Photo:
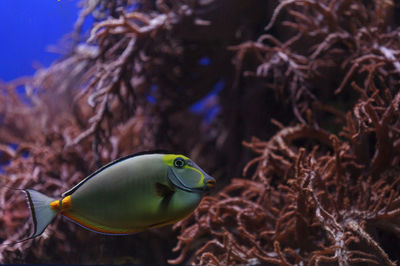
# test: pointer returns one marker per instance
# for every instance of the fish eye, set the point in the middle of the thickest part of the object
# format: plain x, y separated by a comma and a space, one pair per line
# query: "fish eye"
179, 162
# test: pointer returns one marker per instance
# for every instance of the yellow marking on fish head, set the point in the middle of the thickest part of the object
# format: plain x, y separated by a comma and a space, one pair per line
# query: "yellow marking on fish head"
190, 176
169, 159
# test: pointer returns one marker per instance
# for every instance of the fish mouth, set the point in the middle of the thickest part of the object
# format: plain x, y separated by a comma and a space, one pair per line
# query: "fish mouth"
210, 183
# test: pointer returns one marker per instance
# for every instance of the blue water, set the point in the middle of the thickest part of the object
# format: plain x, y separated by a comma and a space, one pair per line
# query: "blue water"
27, 29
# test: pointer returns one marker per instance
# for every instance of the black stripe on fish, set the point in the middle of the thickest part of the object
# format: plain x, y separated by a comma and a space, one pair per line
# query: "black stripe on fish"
29, 199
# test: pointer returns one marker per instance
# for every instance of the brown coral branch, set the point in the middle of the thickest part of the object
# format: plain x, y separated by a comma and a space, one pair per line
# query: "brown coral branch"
370, 242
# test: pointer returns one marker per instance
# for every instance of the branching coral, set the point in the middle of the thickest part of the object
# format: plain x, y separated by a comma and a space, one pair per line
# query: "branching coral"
352, 39
320, 212
130, 88
325, 203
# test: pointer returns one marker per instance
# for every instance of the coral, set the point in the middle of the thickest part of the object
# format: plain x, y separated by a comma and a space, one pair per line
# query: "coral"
307, 102
315, 196
319, 208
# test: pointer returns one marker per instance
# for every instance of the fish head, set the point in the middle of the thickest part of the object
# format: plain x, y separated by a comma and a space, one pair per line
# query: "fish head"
186, 175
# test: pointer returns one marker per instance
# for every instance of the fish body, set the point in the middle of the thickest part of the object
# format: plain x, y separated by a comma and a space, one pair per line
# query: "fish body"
129, 195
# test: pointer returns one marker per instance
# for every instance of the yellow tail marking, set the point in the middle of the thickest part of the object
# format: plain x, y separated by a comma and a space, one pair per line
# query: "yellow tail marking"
55, 205
66, 203
61, 205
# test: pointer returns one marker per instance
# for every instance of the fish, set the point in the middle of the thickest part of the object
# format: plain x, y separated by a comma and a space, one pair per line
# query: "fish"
129, 195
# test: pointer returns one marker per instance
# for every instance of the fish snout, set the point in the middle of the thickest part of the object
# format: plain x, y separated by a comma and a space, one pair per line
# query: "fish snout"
209, 181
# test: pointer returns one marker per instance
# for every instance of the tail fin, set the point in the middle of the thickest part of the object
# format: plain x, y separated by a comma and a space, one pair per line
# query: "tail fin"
42, 213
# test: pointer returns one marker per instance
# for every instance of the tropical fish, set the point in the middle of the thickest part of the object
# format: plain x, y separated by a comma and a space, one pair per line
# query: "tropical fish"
129, 195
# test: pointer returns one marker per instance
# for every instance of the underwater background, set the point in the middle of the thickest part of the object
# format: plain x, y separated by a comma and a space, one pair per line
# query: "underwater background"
30, 29
293, 106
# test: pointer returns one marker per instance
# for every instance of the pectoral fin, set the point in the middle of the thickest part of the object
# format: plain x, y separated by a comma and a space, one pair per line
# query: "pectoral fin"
163, 191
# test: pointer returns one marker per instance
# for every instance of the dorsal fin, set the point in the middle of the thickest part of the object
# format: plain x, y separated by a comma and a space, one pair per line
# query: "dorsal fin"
70, 191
